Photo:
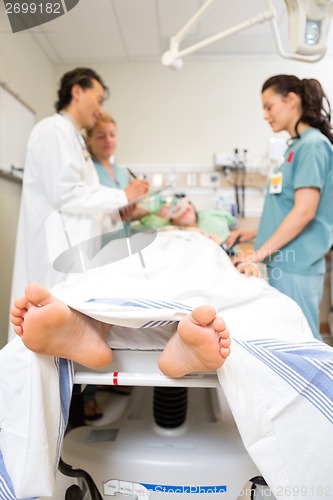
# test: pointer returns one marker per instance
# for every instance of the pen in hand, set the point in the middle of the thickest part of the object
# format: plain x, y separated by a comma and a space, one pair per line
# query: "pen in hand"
132, 174
137, 187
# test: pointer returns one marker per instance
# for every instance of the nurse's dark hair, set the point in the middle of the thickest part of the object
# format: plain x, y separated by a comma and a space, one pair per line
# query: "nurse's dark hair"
79, 76
316, 109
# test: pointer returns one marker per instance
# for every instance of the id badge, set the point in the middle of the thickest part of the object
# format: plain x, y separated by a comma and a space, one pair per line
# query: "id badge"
275, 185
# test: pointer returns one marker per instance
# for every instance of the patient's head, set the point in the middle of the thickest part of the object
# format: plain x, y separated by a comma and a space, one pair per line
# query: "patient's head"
188, 217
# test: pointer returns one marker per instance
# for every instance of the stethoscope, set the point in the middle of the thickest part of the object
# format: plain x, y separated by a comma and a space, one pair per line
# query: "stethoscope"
80, 138
86, 154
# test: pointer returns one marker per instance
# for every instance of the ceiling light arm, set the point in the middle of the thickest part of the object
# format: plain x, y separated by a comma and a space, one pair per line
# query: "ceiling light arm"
179, 37
173, 56
265, 16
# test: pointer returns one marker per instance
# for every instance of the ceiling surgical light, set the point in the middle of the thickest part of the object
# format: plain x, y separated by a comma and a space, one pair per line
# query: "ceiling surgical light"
308, 24
312, 32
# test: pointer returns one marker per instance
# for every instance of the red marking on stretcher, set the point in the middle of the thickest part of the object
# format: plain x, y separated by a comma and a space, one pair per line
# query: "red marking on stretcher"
290, 157
115, 378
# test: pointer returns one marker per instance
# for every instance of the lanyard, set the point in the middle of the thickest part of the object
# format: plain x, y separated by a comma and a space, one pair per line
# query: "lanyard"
79, 136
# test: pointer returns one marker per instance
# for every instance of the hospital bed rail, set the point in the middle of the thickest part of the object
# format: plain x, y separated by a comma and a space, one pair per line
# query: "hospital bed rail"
126, 369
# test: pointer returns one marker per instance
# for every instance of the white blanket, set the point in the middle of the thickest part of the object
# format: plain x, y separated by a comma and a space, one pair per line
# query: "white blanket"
277, 379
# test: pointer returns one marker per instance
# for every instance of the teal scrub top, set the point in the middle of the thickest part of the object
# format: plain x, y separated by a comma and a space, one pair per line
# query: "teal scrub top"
121, 176
308, 162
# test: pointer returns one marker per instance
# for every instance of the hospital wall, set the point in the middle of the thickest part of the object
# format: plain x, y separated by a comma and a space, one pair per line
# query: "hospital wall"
168, 121
177, 118
27, 72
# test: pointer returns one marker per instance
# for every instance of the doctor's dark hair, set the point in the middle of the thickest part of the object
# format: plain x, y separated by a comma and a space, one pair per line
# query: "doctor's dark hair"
79, 76
316, 109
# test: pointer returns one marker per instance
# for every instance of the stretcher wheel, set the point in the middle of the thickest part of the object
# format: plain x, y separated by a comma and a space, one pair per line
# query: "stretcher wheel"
74, 492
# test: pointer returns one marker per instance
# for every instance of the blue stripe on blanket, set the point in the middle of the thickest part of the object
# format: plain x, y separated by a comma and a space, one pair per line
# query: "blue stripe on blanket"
6, 487
66, 380
158, 324
306, 366
142, 303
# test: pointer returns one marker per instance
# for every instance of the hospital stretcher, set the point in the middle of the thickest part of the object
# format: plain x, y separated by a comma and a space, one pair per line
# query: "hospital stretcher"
251, 408
175, 438
234, 425
270, 399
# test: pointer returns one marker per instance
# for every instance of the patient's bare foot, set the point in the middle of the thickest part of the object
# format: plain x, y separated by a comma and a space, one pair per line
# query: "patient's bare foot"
48, 326
201, 343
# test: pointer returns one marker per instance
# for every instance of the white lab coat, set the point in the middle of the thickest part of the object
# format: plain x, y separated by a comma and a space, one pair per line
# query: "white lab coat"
58, 177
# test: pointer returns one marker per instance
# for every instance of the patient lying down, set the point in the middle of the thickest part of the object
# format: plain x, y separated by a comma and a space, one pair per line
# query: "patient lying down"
277, 380
48, 326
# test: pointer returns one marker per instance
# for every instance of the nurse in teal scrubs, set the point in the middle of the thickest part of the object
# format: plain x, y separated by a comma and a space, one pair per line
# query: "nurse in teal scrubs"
296, 226
102, 142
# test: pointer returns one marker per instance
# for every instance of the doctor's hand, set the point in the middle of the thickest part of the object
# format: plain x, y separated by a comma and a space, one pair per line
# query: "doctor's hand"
242, 234
137, 188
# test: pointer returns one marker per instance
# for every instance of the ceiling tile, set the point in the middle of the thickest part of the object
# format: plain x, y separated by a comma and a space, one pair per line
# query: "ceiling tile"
139, 26
88, 32
220, 16
174, 14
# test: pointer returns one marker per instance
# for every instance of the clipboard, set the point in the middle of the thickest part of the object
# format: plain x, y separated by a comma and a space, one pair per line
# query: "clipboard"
152, 192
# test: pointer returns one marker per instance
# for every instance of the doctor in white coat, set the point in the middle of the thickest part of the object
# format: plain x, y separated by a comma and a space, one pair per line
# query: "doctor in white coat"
62, 201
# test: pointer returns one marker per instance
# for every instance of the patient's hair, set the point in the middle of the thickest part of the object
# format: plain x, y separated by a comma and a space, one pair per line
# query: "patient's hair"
316, 109
79, 76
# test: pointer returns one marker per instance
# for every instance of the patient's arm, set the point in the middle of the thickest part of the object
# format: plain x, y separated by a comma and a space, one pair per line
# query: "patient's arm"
215, 237
249, 269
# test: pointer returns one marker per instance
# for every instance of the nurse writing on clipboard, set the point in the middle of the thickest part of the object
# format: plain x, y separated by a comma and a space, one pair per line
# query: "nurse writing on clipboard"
296, 226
